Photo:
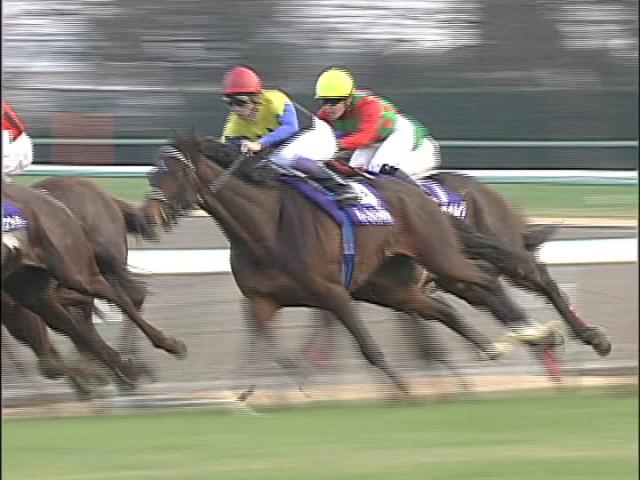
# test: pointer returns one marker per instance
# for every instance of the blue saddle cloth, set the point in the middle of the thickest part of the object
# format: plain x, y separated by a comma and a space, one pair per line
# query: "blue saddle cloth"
12, 217
448, 200
370, 210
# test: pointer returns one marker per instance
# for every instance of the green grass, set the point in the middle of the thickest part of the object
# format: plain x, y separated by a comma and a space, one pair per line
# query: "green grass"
533, 436
537, 200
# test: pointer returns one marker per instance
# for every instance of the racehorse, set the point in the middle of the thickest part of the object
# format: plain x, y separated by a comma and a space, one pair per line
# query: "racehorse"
287, 252
106, 221
29, 329
58, 253
491, 215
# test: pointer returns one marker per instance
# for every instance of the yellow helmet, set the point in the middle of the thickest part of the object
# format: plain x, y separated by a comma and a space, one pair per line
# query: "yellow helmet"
335, 83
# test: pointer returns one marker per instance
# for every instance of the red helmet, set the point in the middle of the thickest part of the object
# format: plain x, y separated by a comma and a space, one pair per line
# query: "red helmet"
241, 80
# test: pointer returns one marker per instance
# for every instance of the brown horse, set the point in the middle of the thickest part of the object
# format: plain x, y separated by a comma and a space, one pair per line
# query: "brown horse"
58, 253
29, 329
287, 252
489, 214
106, 220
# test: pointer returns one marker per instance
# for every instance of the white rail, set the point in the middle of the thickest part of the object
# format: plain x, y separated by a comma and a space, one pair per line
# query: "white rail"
204, 261
493, 176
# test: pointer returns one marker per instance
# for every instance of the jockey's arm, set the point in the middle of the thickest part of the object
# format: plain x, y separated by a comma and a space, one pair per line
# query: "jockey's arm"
289, 126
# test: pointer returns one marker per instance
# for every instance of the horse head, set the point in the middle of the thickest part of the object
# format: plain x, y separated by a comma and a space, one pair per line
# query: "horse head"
191, 167
174, 187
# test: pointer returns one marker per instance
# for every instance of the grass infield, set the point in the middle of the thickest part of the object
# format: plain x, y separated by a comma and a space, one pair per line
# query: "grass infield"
537, 200
585, 435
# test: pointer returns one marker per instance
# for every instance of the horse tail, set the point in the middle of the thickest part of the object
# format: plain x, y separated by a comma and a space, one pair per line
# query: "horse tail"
536, 236
481, 247
135, 221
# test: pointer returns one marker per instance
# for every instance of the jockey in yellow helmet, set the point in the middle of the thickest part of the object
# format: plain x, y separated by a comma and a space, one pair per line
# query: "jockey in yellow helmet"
382, 139
267, 118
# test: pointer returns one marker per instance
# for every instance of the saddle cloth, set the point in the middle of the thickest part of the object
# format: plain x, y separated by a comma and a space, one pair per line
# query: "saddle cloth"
370, 210
12, 217
448, 200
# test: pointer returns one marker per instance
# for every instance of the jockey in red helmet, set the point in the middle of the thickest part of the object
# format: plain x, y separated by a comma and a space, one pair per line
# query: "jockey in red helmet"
17, 147
267, 118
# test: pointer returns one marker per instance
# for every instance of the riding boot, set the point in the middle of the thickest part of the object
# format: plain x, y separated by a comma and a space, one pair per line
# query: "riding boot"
341, 190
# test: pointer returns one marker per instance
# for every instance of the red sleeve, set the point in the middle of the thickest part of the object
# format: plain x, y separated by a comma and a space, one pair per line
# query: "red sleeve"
370, 112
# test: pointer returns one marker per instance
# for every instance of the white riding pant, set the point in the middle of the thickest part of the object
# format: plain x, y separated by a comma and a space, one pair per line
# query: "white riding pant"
17, 155
317, 143
397, 151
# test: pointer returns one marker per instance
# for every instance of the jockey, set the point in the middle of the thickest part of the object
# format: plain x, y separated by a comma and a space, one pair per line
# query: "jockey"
268, 118
17, 147
382, 139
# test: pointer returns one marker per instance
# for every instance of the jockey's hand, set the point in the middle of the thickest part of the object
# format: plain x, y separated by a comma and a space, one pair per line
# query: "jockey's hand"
250, 148
343, 156
341, 168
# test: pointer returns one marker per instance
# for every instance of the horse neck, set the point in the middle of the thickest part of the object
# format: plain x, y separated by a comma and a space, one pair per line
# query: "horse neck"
246, 213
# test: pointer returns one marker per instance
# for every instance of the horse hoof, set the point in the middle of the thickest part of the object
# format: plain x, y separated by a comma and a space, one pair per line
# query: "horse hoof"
246, 394
498, 349
538, 334
178, 348
597, 338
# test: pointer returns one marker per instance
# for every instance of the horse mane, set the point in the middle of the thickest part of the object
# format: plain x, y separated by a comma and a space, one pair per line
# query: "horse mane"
251, 170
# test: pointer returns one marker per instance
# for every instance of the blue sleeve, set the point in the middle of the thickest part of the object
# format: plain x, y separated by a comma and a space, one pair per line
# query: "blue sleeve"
287, 129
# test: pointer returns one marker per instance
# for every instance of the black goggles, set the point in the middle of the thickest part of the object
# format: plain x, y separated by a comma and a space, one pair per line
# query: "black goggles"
332, 102
237, 100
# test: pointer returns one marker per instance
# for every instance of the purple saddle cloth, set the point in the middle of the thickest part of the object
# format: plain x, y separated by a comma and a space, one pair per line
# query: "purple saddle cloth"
12, 217
370, 210
448, 200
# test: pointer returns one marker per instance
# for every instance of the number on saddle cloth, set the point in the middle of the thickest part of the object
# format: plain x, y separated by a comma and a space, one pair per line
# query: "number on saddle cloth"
12, 217
448, 201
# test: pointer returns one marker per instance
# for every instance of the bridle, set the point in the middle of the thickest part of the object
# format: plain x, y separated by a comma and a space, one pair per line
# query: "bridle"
214, 187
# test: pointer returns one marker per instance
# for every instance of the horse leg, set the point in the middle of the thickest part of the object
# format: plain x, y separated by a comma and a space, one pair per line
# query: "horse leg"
28, 329
540, 339
337, 300
40, 298
128, 338
413, 300
543, 284
114, 294
259, 311
431, 348
318, 346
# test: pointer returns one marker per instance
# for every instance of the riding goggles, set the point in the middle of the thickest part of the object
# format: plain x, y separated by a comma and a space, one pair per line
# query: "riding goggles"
237, 100
332, 102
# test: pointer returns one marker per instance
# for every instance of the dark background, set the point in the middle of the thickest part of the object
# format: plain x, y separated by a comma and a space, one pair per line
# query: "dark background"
470, 70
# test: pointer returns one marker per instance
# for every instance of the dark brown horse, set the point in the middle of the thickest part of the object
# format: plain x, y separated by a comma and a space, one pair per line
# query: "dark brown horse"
287, 252
490, 214
29, 329
106, 220
58, 254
